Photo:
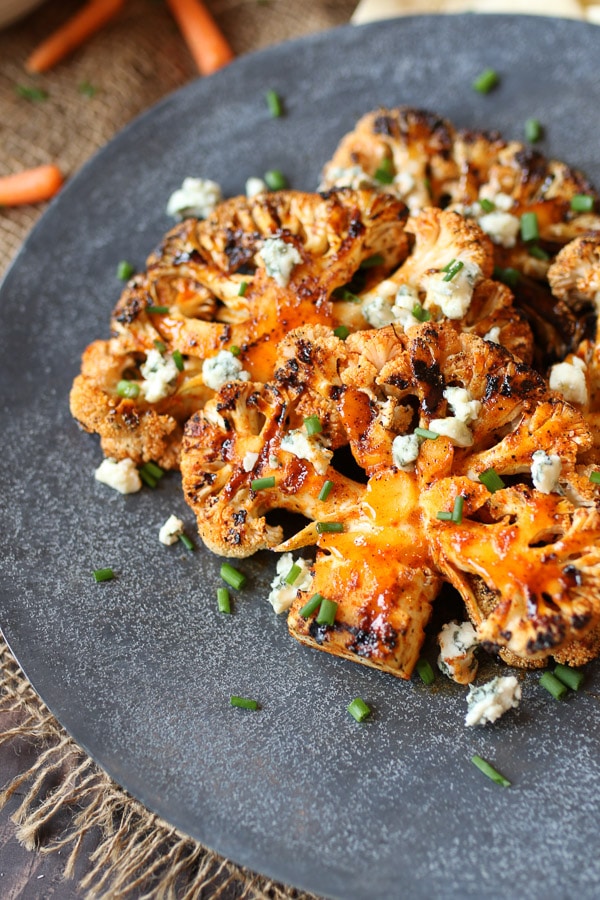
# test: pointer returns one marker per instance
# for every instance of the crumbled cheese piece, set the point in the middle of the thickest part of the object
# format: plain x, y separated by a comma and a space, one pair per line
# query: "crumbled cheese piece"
568, 378
501, 227
453, 428
279, 258
255, 186
493, 335
405, 450
405, 182
462, 404
545, 471
171, 531
249, 461
378, 312
196, 197
353, 177
309, 448
453, 297
489, 701
160, 374
224, 367
458, 641
282, 594
123, 475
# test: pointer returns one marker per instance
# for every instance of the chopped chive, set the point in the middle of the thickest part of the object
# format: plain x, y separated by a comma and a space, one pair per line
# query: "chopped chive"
371, 261
424, 671
457, 512
185, 540
553, 685
313, 425
153, 470
103, 574
420, 313
125, 270
160, 345
358, 709
275, 180
342, 293
491, 480
582, 203
329, 527
426, 434
452, 269
243, 702
341, 332
490, 771
595, 477
157, 310
327, 611
148, 479
243, 288
313, 604
260, 484
235, 350
573, 678
529, 227
223, 600
128, 389
178, 359
533, 130
87, 88
486, 82
292, 575
385, 172
444, 516
325, 490
507, 276
233, 577
274, 103
31, 93
487, 205
538, 252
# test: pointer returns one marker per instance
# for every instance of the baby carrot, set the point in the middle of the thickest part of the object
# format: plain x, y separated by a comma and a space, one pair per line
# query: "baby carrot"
72, 34
202, 35
30, 185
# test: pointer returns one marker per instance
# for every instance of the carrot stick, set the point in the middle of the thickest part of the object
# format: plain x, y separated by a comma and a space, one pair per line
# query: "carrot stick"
72, 34
30, 185
202, 35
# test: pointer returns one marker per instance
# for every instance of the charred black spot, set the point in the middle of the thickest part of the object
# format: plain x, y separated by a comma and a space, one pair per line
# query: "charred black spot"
430, 375
240, 516
384, 124
318, 632
573, 574
131, 310
580, 620
336, 391
225, 448
130, 417
186, 256
305, 351
549, 601
226, 336
491, 386
356, 227
398, 381
233, 537
253, 399
545, 640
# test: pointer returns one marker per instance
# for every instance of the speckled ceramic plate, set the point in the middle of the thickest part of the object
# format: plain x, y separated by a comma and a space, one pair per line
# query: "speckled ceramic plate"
140, 669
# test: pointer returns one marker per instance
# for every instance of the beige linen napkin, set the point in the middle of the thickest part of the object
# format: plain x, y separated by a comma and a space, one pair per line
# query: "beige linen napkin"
369, 10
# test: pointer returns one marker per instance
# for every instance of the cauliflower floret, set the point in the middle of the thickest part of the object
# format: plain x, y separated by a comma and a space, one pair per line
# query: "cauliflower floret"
489, 701
122, 475
574, 275
283, 593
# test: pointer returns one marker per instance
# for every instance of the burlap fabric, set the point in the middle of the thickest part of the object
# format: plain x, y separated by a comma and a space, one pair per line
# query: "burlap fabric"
132, 63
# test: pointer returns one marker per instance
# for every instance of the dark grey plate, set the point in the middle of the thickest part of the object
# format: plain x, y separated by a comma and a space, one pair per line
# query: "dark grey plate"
140, 670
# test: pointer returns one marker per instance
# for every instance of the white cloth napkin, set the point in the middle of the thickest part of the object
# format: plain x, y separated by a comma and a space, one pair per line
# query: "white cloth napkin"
369, 10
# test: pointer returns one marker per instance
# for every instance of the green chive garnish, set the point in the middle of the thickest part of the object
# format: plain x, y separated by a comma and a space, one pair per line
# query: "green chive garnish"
160, 345
423, 315
325, 490
533, 130
147, 478
223, 600
260, 484
342, 332
243, 702
490, 771
292, 575
452, 269
187, 543
457, 512
538, 252
358, 709
275, 180
487, 205
582, 203
385, 173
178, 359
243, 288
152, 469
424, 671
329, 527
103, 574
233, 577
235, 350
444, 516
573, 678
491, 480
128, 389
507, 276
529, 227
595, 477
125, 270
313, 604
313, 425
31, 93
426, 434
486, 82
371, 261
87, 89
342, 293
274, 103
327, 611
157, 310
553, 685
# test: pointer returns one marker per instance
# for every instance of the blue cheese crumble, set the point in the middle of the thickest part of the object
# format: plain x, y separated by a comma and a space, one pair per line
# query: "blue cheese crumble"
453, 297
489, 701
224, 367
160, 375
458, 642
282, 594
171, 531
309, 448
545, 471
279, 259
405, 451
122, 476
255, 186
196, 197
569, 379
